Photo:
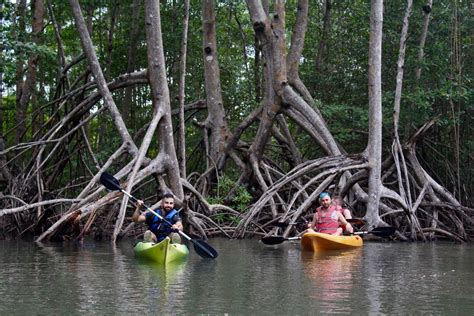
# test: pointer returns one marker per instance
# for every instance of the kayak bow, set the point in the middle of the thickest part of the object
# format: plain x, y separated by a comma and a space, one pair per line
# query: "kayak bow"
320, 241
162, 252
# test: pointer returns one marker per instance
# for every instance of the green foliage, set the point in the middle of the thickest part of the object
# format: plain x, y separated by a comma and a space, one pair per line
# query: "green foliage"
339, 87
225, 218
349, 123
225, 184
240, 202
30, 48
242, 199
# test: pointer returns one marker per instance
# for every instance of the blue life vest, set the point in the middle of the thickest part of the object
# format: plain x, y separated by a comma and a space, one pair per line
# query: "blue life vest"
159, 227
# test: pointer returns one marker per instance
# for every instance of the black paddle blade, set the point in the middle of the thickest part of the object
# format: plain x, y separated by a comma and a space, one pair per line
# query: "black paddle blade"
383, 231
109, 181
272, 240
356, 221
203, 249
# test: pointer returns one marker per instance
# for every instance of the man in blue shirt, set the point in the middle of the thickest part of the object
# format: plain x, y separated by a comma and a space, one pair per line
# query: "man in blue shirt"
159, 229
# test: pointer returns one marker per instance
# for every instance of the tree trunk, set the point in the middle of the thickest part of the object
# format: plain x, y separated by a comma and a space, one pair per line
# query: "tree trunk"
88, 48
17, 34
112, 8
404, 183
62, 83
215, 124
181, 93
374, 146
456, 75
166, 159
322, 47
424, 32
1, 96
160, 93
132, 56
30, 81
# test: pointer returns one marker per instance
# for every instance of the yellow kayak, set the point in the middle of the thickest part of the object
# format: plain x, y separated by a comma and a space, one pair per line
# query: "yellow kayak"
320, 241
162, 252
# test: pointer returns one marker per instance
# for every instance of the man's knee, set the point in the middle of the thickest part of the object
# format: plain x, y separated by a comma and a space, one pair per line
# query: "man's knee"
175, 238
149, 237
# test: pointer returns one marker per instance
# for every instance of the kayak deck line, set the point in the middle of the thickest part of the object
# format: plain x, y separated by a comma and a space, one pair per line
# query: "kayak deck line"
320, 241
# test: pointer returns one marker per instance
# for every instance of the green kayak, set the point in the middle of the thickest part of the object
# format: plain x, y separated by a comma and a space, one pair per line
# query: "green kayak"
162, 252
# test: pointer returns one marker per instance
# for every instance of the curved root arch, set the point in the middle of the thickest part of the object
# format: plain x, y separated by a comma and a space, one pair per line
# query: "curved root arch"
300, 188
434, 214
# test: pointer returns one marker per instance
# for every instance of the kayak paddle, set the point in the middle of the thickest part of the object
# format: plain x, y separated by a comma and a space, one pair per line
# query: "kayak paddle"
284, 225
378, 231
356, 221
200, 246
275, 240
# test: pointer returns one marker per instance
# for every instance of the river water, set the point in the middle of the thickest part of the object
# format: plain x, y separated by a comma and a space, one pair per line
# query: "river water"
248, 278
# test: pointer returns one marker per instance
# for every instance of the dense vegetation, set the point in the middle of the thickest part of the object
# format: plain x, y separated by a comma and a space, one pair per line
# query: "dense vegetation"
57, 133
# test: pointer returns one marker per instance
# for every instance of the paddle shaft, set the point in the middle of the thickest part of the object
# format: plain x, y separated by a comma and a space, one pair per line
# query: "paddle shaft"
360, 233
378, 231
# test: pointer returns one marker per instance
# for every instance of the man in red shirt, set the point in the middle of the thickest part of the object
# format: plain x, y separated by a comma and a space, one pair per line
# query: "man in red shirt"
328, 219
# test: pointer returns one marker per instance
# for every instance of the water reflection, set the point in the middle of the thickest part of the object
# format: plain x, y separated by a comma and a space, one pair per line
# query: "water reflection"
397, 277
247, 278
161, 285
332, 278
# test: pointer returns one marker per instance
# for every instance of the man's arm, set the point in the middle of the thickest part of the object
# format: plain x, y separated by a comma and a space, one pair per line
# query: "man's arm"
137, 217
312, 225
343, 221
347, 213
178, 225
